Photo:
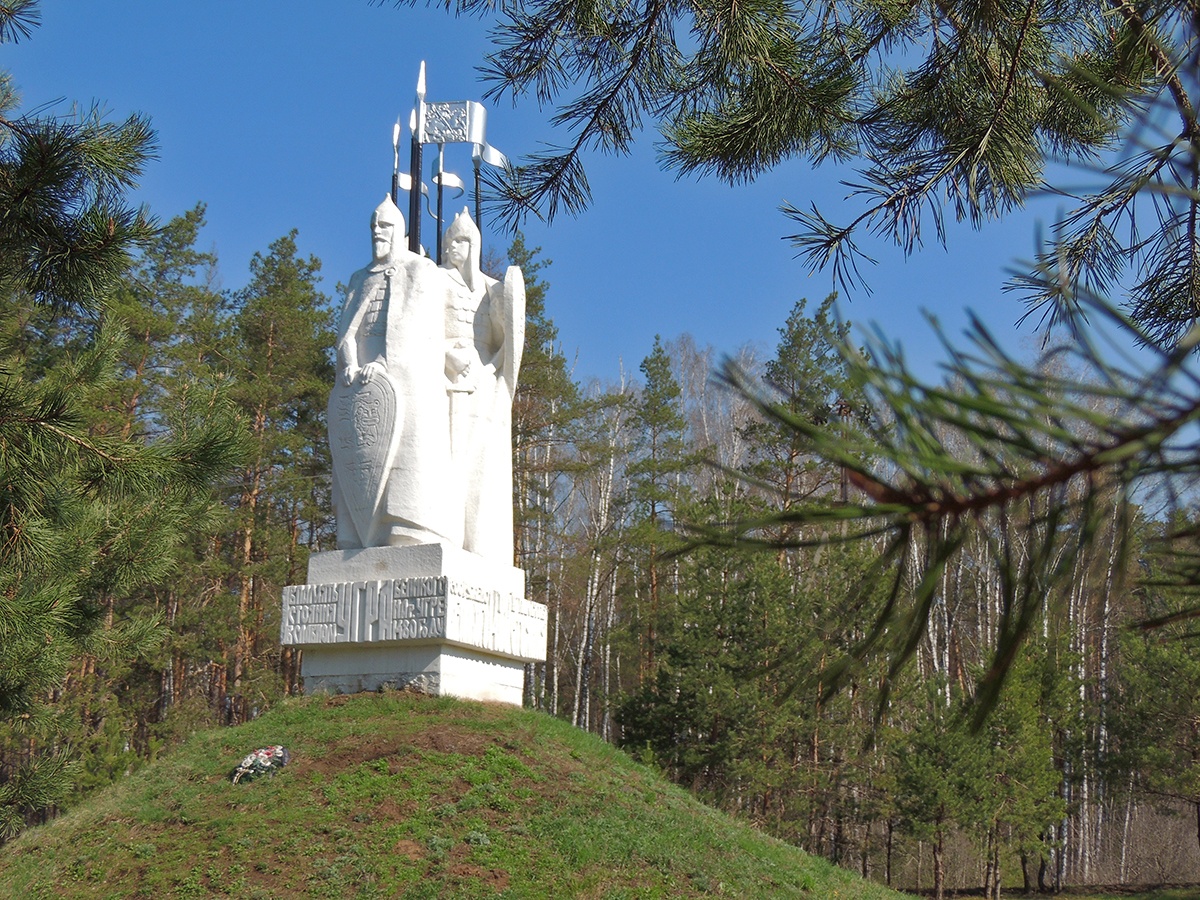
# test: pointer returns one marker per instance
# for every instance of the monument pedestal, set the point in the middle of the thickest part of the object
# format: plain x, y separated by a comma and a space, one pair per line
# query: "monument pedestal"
429, 617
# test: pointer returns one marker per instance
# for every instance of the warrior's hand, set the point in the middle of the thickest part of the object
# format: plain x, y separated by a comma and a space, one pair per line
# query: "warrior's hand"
370, 370
349, 374
458, 363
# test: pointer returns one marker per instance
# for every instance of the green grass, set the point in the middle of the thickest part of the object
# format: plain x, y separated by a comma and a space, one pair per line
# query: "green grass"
398, 795
1190, 893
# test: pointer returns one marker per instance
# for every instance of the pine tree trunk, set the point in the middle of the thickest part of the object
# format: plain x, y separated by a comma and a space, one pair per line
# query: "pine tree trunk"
652, 619
988, 870
887, 875
167, 692
996, 868
939, 866
251, 497
290, 659
217, 691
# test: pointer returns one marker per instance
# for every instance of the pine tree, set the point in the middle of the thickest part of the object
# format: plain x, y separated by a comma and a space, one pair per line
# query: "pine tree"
168, 305
934, 767
281, 332
809, 377
1155, 690
116, 709
655, 485
86, 517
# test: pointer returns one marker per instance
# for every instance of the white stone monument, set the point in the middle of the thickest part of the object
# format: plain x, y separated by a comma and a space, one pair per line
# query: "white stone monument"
421, 592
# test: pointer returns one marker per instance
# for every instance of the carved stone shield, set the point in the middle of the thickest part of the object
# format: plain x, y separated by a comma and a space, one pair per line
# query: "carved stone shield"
363, 442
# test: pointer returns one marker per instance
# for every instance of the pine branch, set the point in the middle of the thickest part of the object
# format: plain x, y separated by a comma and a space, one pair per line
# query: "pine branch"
18, 18
1167, 67
623, 73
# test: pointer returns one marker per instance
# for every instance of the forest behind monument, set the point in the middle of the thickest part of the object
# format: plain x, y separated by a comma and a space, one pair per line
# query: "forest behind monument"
1014, 522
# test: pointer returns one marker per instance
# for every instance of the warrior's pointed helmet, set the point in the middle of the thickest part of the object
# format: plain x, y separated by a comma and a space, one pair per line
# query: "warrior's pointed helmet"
387, 213
464, 226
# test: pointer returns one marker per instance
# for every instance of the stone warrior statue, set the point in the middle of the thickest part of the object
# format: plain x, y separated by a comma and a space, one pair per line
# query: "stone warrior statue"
420, 414
390, 457
485, 334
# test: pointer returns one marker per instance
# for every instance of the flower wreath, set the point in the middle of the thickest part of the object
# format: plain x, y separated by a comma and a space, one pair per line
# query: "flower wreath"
262, 761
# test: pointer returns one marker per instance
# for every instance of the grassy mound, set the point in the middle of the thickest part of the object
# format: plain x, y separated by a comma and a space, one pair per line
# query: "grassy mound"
398, 795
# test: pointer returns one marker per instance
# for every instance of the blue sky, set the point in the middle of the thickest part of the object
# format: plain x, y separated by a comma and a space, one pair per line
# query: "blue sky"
278, 115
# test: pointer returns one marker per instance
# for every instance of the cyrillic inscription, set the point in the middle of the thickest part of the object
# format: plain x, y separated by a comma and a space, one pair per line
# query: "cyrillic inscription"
413, 609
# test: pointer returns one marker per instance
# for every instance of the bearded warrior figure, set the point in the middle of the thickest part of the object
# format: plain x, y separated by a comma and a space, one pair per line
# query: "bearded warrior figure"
388, 409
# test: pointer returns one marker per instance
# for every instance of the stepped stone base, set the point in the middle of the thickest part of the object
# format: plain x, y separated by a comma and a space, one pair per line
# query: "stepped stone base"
428, 617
